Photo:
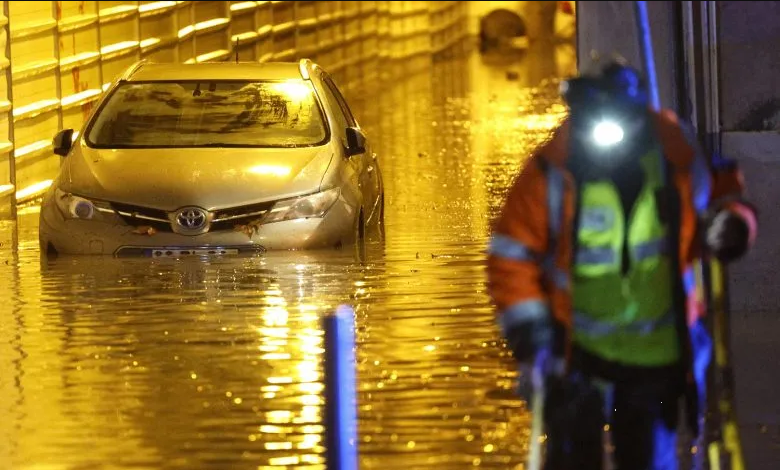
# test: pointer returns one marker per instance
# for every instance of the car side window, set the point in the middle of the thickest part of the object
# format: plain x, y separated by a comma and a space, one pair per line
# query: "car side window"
342, 102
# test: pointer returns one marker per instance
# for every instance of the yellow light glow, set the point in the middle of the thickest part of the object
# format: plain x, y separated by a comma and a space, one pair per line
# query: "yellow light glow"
271, 429
186, 31
279, 416
212, 23
242, 6
275, 316
270, 170
275, 356
155, 6
295, 91
314, 430
311, 400
274, 333
311, 388
310, 441
280, 380
278, 445
32, 148
283, 461
275, 300
118, 47
309, 414
33, 189
312, 459
29, 210
150, 42
33, 107
314, 350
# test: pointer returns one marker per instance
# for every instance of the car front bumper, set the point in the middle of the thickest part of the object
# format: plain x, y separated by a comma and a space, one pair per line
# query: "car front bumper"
114, 237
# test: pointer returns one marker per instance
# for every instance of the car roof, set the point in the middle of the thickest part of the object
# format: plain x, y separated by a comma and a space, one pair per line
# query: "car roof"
148, 71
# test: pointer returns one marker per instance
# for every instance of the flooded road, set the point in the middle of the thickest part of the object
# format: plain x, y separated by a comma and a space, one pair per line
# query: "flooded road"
184, 364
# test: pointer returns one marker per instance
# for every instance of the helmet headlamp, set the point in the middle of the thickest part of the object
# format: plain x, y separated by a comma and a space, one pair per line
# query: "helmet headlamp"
607, 133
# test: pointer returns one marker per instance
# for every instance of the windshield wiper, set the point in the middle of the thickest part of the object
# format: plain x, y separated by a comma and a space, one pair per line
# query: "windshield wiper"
219, 144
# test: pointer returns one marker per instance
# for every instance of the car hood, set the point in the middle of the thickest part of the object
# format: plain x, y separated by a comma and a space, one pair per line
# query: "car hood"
211, 178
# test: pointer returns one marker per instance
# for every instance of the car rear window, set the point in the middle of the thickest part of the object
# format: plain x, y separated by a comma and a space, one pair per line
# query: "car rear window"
209, 114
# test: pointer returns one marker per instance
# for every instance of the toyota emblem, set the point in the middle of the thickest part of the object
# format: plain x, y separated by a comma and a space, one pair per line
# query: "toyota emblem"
191, 218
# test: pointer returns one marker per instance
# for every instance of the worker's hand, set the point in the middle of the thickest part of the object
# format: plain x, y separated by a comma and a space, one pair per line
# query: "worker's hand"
727, 236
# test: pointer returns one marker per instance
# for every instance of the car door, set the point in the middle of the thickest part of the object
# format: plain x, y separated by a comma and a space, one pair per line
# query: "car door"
368, 176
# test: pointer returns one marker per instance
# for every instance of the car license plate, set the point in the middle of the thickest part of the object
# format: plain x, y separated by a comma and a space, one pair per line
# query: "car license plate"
183, 252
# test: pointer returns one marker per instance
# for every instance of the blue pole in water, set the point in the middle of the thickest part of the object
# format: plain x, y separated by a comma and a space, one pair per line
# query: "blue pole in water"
340, 395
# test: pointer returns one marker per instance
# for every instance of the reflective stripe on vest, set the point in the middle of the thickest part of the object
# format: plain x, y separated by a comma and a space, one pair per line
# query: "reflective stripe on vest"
507, 247
606, 255
555, 193
583, 323
523, 312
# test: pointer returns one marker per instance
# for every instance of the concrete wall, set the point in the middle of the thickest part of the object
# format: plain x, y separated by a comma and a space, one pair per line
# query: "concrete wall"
749, 39
58, 57
750, 117
608, 28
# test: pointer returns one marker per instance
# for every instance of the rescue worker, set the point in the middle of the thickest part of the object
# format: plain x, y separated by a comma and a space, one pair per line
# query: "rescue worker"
591, 270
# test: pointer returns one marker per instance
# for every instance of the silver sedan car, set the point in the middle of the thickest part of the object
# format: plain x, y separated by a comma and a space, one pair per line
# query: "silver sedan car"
214, 158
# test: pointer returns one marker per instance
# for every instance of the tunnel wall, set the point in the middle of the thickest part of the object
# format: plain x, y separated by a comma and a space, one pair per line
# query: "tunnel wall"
608, 28
745, 120
62, 55
750, 120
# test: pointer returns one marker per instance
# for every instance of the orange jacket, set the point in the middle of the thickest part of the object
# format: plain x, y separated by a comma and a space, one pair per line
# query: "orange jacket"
518, 281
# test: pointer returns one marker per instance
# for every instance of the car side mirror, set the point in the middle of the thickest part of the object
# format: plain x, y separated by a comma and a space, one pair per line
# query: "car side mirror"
356, 141
63, 142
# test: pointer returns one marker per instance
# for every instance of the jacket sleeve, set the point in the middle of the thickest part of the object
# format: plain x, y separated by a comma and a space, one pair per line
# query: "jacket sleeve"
514, 265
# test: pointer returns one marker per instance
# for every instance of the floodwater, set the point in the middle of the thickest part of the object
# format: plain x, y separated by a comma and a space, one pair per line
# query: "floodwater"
184, 364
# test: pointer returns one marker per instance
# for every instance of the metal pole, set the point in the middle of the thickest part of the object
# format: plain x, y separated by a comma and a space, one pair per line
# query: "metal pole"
340, 395
646, 49
10, 92
535, 457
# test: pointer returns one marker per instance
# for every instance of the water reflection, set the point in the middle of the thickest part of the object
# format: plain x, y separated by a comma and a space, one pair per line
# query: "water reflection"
216, 364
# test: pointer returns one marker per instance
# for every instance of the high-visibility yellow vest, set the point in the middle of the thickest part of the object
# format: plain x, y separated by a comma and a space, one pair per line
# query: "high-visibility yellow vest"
624, 318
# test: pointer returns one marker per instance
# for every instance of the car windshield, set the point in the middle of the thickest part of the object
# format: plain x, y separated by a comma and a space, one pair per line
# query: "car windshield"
209, 114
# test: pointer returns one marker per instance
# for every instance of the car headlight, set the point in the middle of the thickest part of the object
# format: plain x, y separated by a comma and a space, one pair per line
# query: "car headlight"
77, 207
315, 205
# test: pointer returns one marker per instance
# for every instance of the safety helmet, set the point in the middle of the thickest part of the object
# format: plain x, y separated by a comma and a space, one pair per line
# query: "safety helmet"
616, 83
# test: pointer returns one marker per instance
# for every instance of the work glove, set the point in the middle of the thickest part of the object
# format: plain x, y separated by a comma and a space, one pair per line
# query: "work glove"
534, 374
532, 348
727, 236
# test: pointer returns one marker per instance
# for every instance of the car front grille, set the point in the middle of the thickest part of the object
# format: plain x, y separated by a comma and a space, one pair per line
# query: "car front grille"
228, 219
143, 216
224, 219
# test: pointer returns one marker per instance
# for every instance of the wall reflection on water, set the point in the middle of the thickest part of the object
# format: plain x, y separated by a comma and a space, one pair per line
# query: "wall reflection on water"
191, 364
